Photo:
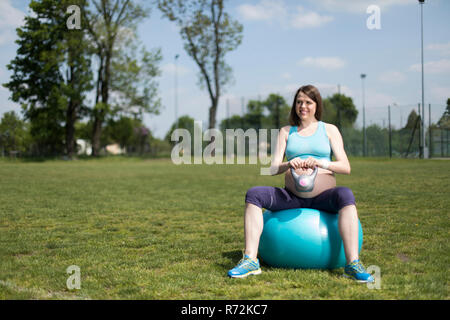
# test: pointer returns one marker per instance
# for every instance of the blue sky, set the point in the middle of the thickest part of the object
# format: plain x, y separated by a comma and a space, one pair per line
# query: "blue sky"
288, 43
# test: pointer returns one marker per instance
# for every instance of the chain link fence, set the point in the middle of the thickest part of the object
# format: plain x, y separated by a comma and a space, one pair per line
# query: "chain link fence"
407, 131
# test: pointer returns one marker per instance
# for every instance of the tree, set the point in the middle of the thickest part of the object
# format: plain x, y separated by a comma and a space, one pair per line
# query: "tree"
352, 141
184, 122
234, 122
129, 133
340, 111
444, 121
118, 131
208, 33
14, 134
35, 79
411, 123
255, 114
329, 113
50, 75
112, 29
78, 78
278, 111
411, 132
276, 116
377, 139
133, 82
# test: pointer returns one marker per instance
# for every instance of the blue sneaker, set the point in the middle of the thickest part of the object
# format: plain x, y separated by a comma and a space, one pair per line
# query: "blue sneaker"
356, 271
245, 267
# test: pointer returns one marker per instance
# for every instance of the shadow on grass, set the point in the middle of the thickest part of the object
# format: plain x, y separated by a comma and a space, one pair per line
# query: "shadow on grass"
235, 255
232, 257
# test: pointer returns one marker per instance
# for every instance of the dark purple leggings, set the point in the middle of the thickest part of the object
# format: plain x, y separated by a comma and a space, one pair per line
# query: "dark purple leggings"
275, 199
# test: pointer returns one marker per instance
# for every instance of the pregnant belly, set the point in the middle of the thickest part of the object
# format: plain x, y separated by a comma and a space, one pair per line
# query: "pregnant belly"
325, 180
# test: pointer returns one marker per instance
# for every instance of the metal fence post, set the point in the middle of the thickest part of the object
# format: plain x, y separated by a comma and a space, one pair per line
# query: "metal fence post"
390, 132
430, 148
420, 134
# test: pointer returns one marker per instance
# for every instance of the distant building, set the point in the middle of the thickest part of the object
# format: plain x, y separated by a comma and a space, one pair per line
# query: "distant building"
84, 147
115, 149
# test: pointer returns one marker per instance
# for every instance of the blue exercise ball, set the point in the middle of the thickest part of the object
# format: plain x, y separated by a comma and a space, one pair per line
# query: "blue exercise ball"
303, 239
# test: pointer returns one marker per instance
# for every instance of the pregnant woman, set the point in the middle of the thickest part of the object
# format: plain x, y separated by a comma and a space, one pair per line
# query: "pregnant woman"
307, 144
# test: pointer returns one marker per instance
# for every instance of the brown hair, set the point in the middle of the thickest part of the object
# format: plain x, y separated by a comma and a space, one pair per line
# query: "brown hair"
314, 94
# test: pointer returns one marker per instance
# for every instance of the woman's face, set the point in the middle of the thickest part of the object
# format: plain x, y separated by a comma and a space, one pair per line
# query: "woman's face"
305, 107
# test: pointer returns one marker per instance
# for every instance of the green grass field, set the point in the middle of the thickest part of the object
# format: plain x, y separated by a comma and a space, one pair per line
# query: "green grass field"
148, 229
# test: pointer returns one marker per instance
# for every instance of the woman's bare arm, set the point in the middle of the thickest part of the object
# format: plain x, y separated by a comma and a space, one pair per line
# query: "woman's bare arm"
341, 165
278, 166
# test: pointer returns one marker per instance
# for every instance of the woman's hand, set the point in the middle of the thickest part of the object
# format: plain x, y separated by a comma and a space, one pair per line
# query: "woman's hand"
298, 163
311, 163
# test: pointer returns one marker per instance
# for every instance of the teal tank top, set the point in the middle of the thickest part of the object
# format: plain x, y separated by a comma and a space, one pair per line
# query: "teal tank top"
316, 145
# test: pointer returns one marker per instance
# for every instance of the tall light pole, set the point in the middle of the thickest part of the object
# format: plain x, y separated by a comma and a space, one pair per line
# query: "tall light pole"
176, 91
364, 115
423, 93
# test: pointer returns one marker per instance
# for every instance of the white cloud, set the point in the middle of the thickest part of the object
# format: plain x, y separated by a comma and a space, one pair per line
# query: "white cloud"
433, 67
263, 11
392, 77
308, 19
328, 63
358, 6
276, 10
440, 48
10, 19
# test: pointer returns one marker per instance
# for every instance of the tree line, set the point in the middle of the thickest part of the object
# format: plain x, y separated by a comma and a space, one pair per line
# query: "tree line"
56, 68
271, 113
